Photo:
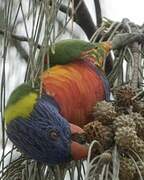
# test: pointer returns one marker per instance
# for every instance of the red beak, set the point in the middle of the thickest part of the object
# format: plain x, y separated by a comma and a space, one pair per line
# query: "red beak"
78, 151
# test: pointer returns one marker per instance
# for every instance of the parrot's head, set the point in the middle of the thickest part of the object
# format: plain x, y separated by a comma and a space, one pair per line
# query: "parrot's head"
38, 130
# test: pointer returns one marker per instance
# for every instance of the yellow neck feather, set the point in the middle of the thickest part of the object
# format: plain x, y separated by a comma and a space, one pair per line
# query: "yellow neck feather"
21, 108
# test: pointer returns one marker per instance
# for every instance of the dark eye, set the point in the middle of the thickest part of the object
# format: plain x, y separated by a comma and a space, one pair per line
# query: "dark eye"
54, 135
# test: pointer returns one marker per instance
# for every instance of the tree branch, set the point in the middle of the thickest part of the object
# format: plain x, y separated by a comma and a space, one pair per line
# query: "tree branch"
118, 42
65, 9
23, 53
121, 40
98, 12
17, 37
83, 18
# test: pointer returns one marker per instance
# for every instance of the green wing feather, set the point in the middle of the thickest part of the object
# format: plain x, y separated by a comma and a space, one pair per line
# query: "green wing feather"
68, 50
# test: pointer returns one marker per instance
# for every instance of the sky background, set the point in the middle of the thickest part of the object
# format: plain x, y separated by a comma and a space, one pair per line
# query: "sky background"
118, 9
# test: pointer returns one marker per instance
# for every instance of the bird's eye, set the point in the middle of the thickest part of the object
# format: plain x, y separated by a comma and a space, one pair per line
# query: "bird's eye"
53, 135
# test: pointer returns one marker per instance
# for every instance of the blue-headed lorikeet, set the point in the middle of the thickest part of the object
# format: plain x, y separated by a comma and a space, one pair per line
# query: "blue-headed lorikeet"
42, 126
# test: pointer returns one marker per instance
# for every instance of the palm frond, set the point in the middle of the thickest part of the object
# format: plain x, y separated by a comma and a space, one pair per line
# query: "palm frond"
39, 22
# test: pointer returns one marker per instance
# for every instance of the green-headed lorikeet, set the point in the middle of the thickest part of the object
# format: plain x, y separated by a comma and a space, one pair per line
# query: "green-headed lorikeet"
42, 126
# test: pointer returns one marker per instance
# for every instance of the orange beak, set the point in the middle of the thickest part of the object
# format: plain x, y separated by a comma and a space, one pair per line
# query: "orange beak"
78, 151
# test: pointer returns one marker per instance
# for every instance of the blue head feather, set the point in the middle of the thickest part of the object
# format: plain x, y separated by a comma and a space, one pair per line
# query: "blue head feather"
45, 135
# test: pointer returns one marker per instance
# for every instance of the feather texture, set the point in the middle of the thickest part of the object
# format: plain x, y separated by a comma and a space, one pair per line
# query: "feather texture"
76, 87
39, 126
20, 103
32, 135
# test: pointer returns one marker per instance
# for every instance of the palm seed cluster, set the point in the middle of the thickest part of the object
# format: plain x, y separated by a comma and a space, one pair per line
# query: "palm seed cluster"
121, 122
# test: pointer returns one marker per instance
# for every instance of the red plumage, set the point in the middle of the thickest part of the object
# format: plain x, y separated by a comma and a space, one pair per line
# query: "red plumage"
76, 87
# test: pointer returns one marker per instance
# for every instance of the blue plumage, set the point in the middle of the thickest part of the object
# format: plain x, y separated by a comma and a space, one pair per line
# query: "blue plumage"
45, 136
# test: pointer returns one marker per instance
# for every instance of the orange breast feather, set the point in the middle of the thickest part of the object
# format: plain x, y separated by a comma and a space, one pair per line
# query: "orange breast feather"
76, 88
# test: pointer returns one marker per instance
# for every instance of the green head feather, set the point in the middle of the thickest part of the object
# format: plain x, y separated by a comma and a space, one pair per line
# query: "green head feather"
20, 103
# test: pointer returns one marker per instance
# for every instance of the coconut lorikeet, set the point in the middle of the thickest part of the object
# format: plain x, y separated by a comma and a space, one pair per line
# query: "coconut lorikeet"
42, 126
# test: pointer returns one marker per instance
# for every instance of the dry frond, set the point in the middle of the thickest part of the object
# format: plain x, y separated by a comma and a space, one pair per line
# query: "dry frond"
124, 121
123, 98
125, 137
104, 112
127, 169
139, 121
96, 131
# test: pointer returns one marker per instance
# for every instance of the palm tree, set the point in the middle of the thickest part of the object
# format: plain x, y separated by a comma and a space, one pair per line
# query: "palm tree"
30, 29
